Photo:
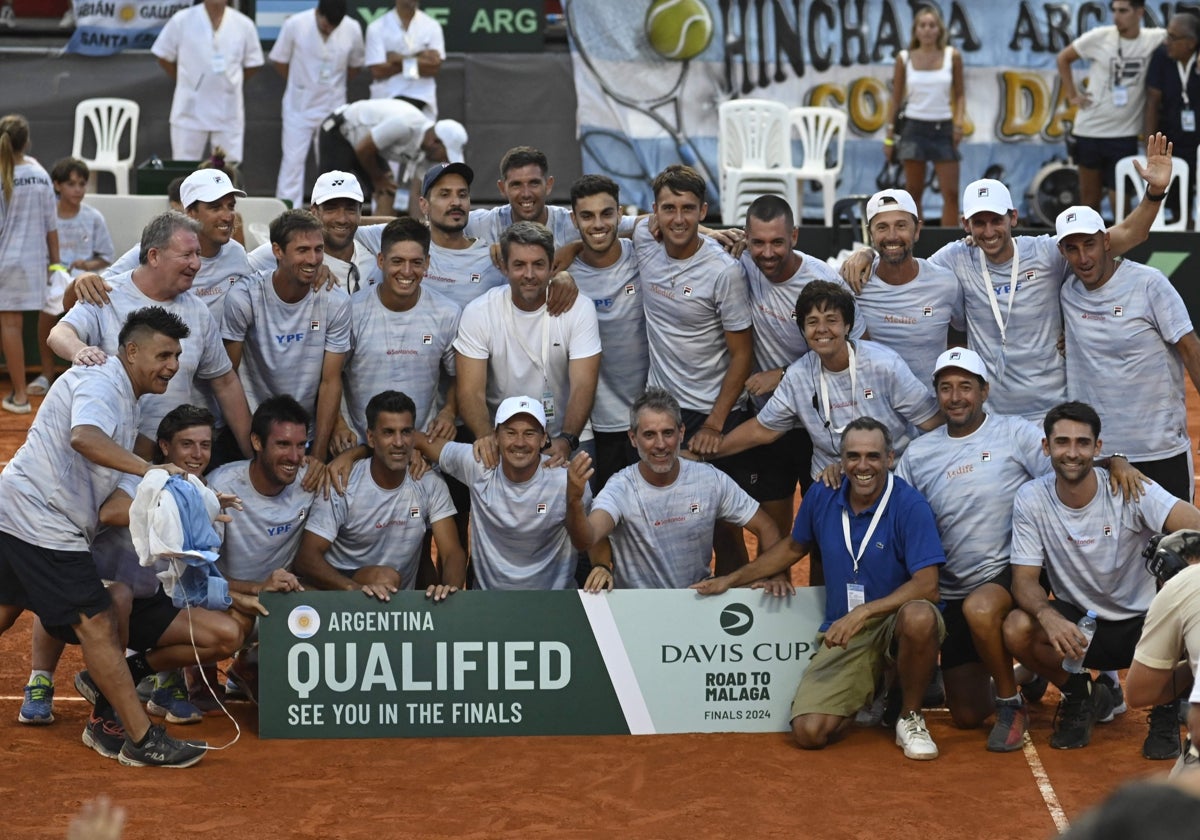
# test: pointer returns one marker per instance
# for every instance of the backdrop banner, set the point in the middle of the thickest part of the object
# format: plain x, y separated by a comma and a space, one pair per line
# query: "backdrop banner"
342, 665
106, 27
650, 75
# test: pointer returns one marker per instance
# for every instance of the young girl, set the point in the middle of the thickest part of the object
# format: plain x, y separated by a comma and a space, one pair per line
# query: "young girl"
28, 248
928, 85
84, 244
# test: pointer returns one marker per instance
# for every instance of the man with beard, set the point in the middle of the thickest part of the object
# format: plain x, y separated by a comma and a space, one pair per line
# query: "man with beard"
914, 303
659, 513
370, 538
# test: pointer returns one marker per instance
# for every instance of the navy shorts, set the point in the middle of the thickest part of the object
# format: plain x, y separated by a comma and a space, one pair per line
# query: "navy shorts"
742, 467
780, 466
60, 586
1103, 153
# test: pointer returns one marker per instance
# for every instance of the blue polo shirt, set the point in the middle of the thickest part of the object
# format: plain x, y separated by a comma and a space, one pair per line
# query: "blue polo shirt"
905, 540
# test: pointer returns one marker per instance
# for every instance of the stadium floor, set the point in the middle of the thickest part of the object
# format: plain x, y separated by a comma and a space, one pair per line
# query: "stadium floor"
664, 786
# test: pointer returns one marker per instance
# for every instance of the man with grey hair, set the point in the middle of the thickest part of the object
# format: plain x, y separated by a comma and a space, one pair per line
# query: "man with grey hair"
661, 539
509, 344
168, 259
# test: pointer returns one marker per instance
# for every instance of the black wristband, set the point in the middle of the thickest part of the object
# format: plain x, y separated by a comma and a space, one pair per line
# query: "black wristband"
572, 440
1149, 196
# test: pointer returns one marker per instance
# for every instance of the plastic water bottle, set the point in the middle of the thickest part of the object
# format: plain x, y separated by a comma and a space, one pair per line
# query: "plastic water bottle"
1087, 626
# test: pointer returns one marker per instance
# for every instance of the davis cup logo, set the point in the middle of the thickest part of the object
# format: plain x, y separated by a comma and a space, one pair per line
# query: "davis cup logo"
736, 619
304, 622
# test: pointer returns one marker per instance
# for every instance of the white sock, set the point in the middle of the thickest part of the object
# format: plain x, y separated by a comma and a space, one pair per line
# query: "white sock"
36, 673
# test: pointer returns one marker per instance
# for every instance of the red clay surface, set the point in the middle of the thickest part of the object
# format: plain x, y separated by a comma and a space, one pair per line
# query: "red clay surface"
686, 786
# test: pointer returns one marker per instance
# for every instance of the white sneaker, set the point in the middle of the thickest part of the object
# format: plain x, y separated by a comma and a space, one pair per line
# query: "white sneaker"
912, 735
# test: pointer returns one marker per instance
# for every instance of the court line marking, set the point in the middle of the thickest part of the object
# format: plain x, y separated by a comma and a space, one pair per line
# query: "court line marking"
1044, 787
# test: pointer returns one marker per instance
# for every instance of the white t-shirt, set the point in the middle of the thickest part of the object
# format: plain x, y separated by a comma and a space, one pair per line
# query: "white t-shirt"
317, 64
373, 526
690, 305
404, 351
284, 344
50, 495
913, 318
209, 65
884, 388
528, 353
83, 237
663, 535
519, 535
970, 482
215, 278
387, 34
617, 292
1121, 359
1116, 63
25, 220
397, 128
1093, 554
265, 534
1027, 375
203, 357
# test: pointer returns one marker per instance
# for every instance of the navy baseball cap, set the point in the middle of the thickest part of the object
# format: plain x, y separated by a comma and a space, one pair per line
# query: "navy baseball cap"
436, 172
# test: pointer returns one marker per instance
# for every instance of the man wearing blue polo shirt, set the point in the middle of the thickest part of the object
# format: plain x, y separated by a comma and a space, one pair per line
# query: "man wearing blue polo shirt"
880, 548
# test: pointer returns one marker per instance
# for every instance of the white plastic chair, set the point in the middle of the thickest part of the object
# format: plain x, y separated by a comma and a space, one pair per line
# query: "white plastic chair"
108, 118
1126, 175
754, 148
818, 128
257, 214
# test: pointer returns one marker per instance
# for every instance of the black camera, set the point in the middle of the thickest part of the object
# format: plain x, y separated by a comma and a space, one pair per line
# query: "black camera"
1166, 554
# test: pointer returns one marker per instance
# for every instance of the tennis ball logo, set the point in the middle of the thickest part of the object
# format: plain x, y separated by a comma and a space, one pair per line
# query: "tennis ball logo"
736, 619
679, 29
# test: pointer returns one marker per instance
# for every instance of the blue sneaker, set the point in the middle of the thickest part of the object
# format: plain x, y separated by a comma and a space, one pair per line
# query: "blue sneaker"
38, 708
170, 700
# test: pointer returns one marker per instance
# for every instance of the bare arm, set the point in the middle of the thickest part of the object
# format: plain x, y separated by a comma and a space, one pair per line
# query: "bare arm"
170, 68
585, 529
763, 527
779, 557
583, 375
707, 440
368, 157
64, 341
1153, 104
1157, 175
115, 510
746, 436
227, 388
1182, 515
1146, 686
52, 247
99, 448
923, 585
312, 566
1031, 597
452, 559
472, 394
281, 67
898, 81
958, 96
1065, 58
1189, 351
329, 400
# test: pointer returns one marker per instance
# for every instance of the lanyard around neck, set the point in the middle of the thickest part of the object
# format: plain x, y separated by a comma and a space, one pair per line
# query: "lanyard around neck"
1001, 322
825, 409
856, 556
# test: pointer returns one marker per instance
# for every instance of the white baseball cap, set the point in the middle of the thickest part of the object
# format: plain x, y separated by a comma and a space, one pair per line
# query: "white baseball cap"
453, 137
513, 406
886, 200
1077, 219
963, 359
206, 185
336, 184
986, 196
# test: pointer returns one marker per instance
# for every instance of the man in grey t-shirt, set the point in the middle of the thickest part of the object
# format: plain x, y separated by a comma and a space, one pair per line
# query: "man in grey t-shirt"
659, 514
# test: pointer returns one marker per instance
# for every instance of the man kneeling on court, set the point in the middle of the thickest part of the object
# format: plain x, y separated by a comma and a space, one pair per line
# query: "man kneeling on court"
370, 538
880, 548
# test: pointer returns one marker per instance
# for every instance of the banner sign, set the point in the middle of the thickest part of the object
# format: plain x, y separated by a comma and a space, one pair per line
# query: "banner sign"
341, 665
469, 25
650, 75
106, 27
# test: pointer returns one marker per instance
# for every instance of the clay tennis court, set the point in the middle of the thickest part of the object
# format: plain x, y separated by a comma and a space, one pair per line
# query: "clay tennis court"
662, 786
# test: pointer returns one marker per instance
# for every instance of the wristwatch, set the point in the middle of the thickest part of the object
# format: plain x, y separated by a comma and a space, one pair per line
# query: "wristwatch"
572, 440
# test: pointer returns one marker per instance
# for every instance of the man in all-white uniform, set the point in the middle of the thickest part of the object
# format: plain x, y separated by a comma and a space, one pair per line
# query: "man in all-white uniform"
839, 381
316, 52
776, 273
402, 336
508, 343
606, 272
50, 496
1089, 543
370, 537
1010, 288
699, 327
364, 136
88, 334
970, 470
915, 303
1109, 113
283, 336
519, 537
208, 50
659, 513
1129, 338
405, 51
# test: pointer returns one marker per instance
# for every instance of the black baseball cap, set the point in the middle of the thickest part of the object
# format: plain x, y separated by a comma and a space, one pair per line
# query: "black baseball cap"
436, 172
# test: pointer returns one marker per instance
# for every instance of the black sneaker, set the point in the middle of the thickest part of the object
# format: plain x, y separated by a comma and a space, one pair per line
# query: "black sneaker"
1077, 714
105, 735
161, 750
87, 687
1034, 691
1162, 742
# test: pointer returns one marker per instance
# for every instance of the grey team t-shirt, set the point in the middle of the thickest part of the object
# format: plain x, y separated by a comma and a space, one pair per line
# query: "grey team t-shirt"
211, 283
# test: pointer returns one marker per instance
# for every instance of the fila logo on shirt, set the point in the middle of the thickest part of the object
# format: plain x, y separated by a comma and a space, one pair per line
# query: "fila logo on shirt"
629, 289
414, 512
541, 508
687, 291
314, 326
1107, 530
427, 339
868, 394
694, 508
1118, 311
985, 456
927, 311
474, 278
